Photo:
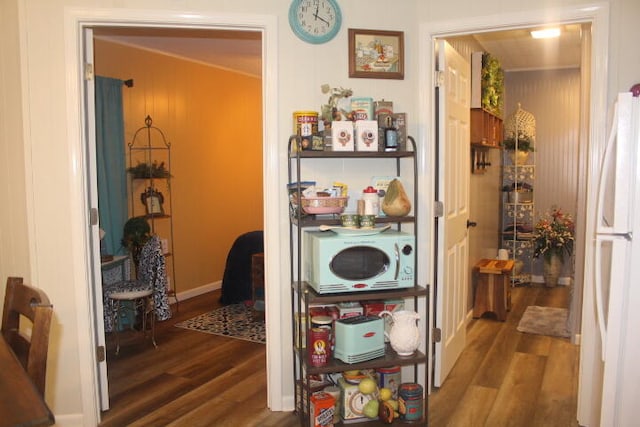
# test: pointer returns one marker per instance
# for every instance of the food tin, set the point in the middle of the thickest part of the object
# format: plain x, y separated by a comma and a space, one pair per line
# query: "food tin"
319, 346
390, 378
410, 402
305, 123
322, 409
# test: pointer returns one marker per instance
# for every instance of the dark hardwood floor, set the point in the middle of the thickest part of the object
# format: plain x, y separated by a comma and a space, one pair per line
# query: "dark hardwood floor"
503, 378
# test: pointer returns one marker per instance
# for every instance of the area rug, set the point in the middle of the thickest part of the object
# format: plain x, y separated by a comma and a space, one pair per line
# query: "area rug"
233, 321
545, 321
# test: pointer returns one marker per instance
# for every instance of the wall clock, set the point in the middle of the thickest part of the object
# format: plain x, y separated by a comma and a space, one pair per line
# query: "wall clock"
315, 21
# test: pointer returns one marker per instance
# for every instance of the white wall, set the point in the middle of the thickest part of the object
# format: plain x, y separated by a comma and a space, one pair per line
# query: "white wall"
52, 169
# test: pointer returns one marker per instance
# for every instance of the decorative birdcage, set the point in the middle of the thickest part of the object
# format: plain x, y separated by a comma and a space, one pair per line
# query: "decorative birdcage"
520, 125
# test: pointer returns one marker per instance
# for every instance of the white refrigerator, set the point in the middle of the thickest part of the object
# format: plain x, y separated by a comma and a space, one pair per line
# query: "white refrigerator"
609, 387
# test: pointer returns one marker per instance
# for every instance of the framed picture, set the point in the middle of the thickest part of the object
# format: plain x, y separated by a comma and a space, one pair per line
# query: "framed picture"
376, 54
152, 201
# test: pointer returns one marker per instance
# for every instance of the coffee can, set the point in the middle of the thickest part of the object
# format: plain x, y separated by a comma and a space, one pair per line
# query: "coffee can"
305, 123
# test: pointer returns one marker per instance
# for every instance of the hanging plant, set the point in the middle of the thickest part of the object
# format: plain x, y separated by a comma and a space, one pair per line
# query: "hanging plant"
146, 170
492, 85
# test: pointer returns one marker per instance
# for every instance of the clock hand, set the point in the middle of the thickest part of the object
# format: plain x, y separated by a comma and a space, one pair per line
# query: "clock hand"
321, 18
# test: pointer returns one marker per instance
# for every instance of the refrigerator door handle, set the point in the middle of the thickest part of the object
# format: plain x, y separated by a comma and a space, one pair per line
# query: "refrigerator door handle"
597, 290
604, 172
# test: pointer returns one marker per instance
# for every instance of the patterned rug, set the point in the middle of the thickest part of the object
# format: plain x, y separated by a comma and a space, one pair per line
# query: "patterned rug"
233, 321
545, 321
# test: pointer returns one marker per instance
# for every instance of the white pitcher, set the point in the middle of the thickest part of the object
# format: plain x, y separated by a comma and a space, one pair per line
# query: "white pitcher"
404, 335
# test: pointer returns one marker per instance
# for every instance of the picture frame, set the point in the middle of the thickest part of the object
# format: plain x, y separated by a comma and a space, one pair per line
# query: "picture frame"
152, 200
376, 54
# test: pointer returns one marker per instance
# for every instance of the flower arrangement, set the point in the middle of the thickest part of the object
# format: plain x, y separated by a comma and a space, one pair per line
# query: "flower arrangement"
553, 234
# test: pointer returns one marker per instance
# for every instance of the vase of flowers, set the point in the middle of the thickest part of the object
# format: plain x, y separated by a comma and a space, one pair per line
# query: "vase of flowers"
553, 238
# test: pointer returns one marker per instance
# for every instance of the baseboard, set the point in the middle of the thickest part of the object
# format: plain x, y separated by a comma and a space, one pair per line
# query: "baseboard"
181, 296
564, 281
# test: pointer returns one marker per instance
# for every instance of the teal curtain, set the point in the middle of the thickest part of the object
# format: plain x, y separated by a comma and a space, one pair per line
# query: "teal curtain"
110, 153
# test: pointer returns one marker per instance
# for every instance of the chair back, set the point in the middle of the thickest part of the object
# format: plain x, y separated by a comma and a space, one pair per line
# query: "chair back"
32, 303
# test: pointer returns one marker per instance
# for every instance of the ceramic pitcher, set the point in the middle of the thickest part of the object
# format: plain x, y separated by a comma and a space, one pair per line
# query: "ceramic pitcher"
404, 335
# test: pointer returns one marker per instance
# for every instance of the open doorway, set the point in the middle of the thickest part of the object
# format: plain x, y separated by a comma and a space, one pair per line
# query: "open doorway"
592, 95
85, 22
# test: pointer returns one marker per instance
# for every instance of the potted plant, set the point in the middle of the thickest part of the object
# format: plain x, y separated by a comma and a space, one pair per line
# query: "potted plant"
519, 148
135, 234
552, 239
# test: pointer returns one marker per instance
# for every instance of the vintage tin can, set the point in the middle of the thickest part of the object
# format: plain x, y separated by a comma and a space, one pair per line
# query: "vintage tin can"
319, 346
410, 402
390, 378
362, 108
305, 123
322, 409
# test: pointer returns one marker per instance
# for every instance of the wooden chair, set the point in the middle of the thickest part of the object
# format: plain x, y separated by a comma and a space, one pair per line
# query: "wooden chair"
33, 304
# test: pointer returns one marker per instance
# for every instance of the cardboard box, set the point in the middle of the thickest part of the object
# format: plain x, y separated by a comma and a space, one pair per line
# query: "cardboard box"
349, 309
342, 136
366, 135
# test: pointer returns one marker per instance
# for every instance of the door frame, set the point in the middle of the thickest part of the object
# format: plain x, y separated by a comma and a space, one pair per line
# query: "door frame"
76, 20
598, 16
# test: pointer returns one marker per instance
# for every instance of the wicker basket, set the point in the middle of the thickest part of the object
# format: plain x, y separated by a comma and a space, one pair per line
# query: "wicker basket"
520, 124
324, 205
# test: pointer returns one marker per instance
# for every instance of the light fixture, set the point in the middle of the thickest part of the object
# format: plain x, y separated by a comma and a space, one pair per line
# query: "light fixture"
546, 33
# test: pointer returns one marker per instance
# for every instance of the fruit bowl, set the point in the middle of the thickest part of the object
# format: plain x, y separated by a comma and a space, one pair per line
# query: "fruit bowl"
324, 205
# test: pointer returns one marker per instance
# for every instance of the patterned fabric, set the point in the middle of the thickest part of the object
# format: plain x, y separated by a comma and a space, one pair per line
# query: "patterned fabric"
152, 273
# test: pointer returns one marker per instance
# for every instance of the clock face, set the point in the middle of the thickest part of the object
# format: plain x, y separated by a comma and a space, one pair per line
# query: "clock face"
315, 21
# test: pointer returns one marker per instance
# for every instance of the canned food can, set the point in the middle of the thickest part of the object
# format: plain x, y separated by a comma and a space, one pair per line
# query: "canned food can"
410, 402
390, 378
319, 346
305, 123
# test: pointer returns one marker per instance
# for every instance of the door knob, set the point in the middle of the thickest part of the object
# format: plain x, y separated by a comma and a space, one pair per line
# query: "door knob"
471, 223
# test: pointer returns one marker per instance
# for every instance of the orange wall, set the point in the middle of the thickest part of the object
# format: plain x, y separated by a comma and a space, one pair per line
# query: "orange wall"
212, 118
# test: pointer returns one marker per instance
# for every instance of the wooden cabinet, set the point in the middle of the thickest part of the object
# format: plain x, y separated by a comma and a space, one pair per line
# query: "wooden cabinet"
486, 128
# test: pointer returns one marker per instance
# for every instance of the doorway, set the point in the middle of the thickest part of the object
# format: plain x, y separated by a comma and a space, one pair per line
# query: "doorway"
592, 99
173, 76
267, 25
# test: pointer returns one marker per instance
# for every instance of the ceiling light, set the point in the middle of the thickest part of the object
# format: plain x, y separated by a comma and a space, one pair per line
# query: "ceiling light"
546, 33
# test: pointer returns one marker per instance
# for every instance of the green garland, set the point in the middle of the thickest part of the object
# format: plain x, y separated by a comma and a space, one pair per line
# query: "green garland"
492, 85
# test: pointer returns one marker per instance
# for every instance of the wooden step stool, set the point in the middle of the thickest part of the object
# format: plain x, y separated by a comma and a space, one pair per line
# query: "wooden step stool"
493, 288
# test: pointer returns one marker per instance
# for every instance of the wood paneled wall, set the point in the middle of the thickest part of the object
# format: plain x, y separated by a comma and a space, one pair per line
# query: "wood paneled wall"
553, 97
213, 120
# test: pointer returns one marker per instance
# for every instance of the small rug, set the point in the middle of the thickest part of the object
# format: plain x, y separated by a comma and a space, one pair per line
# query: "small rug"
545, 321
233, 321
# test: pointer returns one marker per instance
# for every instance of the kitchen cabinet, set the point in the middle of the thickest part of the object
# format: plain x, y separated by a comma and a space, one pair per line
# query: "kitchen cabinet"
310, 378
486, 128
150, 189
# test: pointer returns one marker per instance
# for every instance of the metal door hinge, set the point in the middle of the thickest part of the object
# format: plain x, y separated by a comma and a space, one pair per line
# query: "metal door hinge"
438, 209
100, 353
88, 71
439, 78
93, 216
436, 335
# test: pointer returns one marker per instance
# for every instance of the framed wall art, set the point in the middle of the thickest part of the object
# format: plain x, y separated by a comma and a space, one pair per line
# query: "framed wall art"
376, 54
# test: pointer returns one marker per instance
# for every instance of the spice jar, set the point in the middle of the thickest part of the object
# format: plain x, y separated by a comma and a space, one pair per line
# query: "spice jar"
371, 201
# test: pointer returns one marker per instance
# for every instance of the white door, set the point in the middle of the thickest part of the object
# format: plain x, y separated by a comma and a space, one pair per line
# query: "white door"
453, 191
94, 232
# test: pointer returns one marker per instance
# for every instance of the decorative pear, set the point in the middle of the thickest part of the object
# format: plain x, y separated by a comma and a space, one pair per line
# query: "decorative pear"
396, 202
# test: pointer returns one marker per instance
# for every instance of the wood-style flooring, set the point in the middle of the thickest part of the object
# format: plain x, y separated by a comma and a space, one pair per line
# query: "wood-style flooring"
503, 378
509, 378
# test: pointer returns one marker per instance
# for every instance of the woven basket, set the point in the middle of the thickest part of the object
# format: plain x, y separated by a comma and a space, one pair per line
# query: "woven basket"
324, 205
520, 124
